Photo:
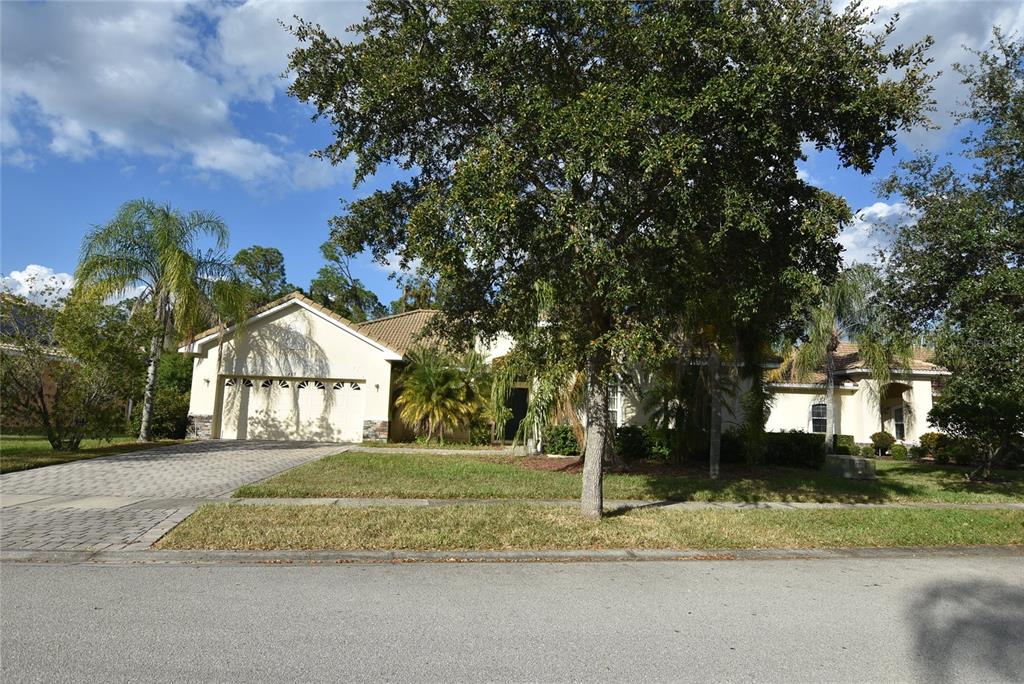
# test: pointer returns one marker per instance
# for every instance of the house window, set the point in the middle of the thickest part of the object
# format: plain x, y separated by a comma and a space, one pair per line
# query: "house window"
266, 384
897, 423
819, 418
615, 405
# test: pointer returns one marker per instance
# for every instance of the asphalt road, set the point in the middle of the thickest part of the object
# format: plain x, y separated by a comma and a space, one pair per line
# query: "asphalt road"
923, 620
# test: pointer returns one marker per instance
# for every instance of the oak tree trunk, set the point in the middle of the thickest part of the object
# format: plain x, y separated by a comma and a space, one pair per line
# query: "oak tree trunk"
592, 500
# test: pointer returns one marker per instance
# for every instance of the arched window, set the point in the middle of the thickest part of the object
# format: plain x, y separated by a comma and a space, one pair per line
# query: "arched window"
230, 382
247, 382
267, 384
339, 385
283, 383
819, 418
303, 384
320, 386
355, 386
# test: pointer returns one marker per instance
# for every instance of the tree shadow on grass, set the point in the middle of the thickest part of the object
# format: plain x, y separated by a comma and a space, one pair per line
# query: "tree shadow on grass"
976, 623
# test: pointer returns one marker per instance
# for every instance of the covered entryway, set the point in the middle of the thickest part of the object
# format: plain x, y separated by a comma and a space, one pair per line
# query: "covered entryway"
304, 409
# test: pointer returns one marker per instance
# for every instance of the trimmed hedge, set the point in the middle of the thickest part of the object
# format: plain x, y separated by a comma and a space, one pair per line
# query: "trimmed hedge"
632, 443
867, 451
794, 449
844, 444
882, 442
561, 440
899, 452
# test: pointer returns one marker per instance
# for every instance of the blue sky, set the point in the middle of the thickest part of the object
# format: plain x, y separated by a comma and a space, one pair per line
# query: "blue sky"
183, 103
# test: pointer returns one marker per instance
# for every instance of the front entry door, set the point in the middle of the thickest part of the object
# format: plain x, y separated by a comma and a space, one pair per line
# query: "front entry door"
516, 401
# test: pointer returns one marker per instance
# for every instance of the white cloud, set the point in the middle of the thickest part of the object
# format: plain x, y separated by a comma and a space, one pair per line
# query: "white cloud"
393, 266
870, 231
253, 45
953, 24
160, 79
39, 284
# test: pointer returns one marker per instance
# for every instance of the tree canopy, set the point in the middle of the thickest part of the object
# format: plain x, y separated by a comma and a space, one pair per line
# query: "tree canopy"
262, 270
606, 168
955, 270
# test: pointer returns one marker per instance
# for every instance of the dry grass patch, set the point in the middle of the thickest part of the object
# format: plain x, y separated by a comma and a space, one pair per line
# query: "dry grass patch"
513, 526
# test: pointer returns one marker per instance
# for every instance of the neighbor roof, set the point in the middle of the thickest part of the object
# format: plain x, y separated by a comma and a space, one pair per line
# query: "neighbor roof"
399, 332
847, 359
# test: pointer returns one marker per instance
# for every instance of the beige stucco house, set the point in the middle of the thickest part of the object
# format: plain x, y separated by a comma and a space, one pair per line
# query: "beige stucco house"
295, 370
859, 410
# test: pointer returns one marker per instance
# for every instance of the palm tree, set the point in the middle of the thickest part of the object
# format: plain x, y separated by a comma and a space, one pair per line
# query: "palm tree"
154, 249
848, 311
436, 394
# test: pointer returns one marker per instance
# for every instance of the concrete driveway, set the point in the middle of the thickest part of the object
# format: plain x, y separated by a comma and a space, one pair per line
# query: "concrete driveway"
131, 500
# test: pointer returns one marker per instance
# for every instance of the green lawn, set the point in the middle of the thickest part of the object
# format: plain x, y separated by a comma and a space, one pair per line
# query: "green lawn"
515, 526
21, 452
452, 477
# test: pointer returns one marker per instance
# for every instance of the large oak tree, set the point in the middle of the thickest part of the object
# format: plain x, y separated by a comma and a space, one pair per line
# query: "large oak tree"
606, 169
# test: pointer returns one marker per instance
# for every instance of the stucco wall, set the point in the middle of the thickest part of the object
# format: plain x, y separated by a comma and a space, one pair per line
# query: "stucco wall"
294, 343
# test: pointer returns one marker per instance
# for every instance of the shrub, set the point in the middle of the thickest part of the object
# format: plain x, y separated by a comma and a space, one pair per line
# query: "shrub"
930, 442
899, 452
917, 452
170, 414
734, 448
794, 449
479, 433
867, 451
954, 449
882, 441
632, 443
844, 444
561, 440
659, 441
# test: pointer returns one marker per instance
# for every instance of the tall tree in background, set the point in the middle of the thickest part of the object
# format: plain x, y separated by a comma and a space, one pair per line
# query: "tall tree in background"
262, 270
418, 292
155, 249
956, 270
602, 152
336, 288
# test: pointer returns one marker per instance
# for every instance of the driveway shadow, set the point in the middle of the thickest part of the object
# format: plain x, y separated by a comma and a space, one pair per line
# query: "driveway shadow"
969, 626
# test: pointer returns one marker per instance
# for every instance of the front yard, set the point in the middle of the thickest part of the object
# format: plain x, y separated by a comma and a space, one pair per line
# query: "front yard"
387, 475
22, 452
517, 526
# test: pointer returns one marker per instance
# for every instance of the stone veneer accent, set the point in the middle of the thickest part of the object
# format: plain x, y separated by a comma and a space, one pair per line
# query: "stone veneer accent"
375, 430
200, 427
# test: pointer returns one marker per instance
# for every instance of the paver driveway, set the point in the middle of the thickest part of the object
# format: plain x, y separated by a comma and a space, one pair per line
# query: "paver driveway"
131, 500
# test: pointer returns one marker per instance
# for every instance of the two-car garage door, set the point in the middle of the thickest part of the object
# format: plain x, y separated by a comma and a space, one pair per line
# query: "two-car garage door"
310, 409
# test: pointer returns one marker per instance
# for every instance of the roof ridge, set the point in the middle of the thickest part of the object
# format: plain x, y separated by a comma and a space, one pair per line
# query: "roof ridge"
398, 315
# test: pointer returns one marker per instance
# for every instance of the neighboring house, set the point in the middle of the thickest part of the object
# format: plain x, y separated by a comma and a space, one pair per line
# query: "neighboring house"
296, 370
859, 410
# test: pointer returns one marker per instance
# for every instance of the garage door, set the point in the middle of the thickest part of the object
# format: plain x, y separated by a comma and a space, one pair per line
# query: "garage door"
310, 409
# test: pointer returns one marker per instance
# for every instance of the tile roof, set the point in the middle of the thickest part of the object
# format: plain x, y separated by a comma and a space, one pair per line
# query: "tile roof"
847, 358
399, 332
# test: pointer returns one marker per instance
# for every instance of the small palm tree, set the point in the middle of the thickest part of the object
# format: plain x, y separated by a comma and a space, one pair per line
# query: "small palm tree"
153, 248
847, 311
434, 393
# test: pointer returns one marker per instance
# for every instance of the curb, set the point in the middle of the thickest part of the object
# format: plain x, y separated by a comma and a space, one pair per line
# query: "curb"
129, 557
